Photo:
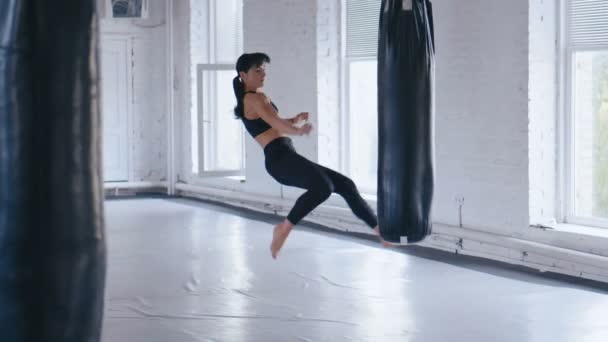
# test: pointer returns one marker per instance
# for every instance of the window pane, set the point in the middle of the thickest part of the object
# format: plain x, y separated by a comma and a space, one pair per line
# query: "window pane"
228, 37
228, 130
362, 19
208, 138
217, 142
222, 133
590, 104
363, 124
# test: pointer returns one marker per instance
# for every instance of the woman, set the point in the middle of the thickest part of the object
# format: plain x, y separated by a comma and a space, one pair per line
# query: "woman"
261, 119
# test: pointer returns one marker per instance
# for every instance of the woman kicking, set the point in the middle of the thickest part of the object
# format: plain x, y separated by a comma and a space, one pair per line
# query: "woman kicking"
261, 119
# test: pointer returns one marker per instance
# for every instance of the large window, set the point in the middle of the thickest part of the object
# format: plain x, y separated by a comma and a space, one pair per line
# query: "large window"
217, 138
360, 116
586, 76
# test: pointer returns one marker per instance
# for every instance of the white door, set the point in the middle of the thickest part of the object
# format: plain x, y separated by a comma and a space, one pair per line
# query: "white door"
115, 108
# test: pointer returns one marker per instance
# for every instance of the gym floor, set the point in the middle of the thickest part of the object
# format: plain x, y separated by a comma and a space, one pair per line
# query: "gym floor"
189, 271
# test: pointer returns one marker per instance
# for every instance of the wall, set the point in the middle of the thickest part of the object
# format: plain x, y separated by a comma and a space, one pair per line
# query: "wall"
328, 82
543, 28
482, 114
148, 121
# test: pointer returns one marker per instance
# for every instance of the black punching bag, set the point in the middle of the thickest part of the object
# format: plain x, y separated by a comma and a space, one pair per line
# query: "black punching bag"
52, 241
405, 120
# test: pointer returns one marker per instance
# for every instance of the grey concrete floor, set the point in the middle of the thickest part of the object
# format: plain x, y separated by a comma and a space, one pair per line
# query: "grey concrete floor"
187, 271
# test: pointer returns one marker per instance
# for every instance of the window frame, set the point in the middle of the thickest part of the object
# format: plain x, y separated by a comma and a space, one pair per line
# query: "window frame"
212, 66
108, 11
567, 125
200, 70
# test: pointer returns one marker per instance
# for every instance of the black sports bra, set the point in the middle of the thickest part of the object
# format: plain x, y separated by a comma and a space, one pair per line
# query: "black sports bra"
257, 126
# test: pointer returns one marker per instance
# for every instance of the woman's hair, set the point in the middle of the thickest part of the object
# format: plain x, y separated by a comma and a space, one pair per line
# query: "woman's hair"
245, 62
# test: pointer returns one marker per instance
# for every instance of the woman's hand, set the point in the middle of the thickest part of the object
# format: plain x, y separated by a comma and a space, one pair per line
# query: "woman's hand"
305, 129
301, 116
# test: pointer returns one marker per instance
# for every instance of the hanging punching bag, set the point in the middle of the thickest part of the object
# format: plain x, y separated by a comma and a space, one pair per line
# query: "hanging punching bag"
405, 120
52, 243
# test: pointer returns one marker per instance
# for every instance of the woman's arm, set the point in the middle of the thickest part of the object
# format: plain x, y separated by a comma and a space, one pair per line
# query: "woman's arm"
265, 110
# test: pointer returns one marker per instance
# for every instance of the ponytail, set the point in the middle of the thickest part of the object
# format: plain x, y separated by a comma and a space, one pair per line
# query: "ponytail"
239, 92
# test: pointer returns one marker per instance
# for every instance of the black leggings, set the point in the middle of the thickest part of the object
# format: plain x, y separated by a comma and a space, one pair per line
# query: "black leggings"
289, 168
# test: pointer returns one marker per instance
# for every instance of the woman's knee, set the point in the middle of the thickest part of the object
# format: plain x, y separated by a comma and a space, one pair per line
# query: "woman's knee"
345, 186
349, 184
323, 188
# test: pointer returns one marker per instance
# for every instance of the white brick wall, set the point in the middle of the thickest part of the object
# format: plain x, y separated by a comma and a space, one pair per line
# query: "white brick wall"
328, 81
181, 83
482, 114
542, 110
149, 143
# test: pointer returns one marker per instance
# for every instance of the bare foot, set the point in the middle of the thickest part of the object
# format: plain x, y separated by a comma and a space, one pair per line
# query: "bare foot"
384, 242
279, 235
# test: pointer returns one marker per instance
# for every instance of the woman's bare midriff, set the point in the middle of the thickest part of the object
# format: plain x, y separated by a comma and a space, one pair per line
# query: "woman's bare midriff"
268, 136
263, 138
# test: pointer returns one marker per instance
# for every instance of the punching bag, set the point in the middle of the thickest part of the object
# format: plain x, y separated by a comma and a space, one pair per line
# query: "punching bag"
52, 241
405, 120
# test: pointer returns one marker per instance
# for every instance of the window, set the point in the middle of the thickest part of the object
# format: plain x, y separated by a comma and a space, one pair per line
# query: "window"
586, 77
360, 118
126, 8
217, 137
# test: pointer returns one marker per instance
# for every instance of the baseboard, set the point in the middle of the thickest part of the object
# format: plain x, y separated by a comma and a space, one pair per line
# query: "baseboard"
542, 257
120, 189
